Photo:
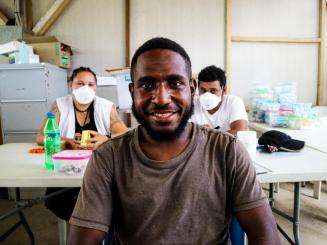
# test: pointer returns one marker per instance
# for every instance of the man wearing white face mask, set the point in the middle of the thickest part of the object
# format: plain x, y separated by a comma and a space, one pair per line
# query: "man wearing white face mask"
76, 112
213, 107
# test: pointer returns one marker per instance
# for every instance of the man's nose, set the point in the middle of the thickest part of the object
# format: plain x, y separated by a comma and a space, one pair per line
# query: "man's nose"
162, 95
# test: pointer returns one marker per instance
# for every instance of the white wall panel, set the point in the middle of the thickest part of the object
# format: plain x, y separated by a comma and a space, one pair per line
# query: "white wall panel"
286, 18
40, 7
325, 99
96, 31
7, 7
197, 25
274, 63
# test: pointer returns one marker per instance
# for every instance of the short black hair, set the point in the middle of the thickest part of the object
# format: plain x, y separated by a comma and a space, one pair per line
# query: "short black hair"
161, 43
212, 73
82, 69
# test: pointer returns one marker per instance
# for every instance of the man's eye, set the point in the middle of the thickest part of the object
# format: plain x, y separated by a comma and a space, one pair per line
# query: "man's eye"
175, 83
147, 86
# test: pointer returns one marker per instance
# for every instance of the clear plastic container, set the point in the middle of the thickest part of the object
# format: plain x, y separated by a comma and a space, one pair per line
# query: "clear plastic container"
249, 140
71, 162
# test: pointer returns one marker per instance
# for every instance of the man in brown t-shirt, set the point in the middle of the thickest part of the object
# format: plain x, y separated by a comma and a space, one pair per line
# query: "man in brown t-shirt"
169, 181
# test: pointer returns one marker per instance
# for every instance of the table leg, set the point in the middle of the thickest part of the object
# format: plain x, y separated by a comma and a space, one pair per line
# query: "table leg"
316, 189
62, 228
295, 219
23, 219
276, 186
271, 194
296, 213
20, 205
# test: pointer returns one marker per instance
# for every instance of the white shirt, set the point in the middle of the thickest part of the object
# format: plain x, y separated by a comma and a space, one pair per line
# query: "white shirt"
231, 109
102, 110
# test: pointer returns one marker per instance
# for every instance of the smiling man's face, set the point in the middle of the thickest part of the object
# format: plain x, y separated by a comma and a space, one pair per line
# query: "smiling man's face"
162, 93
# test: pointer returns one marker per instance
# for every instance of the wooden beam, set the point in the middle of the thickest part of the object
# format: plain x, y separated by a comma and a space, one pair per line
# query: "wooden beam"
321, 93
3, 19
29, 14
44, 24
275, 39
228, 41
127, 32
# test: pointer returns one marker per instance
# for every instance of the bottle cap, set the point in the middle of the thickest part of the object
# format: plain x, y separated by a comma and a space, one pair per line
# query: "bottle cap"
50, 114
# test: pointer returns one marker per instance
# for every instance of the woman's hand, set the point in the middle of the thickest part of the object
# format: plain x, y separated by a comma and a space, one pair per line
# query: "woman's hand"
95, 141
67, 143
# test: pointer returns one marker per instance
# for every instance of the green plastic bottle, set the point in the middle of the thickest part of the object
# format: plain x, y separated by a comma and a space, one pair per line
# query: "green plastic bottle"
51, 140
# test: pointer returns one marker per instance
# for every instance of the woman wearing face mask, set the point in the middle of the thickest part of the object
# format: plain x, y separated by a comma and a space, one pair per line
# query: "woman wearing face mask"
81, 110
214, 108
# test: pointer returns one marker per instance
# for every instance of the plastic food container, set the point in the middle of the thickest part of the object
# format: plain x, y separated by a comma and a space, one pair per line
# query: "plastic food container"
249, 140
71, 162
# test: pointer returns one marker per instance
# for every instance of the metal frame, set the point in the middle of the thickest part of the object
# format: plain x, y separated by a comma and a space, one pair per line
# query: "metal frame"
295, 219
20, 205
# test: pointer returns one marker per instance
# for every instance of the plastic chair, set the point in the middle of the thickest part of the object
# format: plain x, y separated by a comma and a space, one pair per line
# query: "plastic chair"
109, 238
237, 235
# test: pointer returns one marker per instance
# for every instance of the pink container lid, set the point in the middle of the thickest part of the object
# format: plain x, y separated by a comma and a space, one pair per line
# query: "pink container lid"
72, 155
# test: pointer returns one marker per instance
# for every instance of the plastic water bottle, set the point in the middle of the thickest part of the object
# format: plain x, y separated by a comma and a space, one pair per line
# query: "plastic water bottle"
51, 140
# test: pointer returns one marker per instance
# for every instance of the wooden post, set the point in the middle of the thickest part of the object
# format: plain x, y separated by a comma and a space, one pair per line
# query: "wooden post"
44, 24
228, 41
29, 14
321, 55
127, 32
3, 19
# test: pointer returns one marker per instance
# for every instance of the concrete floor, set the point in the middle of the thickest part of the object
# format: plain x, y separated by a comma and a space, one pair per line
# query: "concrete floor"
313, 225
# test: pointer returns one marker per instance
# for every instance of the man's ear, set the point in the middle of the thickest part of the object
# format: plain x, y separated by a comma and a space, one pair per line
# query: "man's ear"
131, 88
193, 85
70, 84
225, 89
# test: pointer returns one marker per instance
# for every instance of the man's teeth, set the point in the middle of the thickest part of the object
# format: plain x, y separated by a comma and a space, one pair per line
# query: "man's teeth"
162, 114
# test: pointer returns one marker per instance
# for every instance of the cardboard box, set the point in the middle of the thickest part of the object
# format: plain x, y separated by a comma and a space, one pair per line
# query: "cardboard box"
51, 50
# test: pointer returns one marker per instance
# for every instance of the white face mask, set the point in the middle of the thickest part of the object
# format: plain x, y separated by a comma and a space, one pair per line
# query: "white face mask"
84, 95
209, 101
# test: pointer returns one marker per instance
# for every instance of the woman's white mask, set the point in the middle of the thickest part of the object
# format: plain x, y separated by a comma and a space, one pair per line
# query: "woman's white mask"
84, 95
209, 101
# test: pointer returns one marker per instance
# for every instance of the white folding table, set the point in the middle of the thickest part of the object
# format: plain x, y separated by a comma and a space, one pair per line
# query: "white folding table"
296, 167
18, 168
21, 169
314, 138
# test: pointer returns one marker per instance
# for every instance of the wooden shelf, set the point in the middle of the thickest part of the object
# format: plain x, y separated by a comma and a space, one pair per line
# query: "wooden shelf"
274, 39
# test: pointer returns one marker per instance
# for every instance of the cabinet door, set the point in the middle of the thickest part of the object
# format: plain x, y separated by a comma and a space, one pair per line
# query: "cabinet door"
108, 92
22, 84
19, 137
22, 117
